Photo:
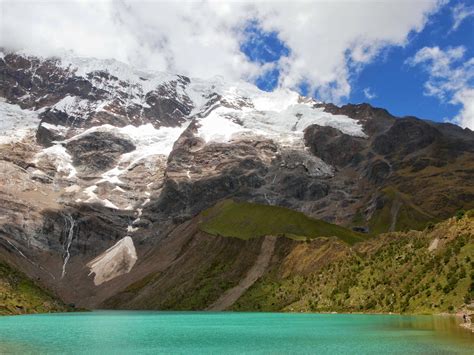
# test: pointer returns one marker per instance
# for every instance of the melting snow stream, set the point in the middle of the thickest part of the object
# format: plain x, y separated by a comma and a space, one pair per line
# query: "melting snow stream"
67, 244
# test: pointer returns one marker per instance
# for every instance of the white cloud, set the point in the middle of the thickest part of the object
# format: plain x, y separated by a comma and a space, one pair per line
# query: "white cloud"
327, 40
451, 79
369, 94
465, 118
460, 12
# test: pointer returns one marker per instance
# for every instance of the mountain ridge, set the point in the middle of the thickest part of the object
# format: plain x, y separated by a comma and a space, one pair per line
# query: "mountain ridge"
89, 159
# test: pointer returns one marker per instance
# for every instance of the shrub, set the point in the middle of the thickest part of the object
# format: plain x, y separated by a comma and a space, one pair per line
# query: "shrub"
467, 299
430, 226
460, 214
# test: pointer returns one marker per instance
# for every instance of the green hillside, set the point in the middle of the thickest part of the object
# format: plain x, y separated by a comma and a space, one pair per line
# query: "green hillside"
430, 271
20, 295
399, 213
246, 220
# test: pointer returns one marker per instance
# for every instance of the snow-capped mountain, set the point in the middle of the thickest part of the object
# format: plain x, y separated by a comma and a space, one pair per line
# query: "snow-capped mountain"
148, 110
105, 167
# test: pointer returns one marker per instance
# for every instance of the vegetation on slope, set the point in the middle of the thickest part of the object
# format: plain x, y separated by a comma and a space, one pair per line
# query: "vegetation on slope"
246, 220
414, 272
398, 214
441, 188
206, 268
429, 271
20, 295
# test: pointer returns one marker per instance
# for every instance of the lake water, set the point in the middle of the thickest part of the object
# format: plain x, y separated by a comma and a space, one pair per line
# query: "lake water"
128, 332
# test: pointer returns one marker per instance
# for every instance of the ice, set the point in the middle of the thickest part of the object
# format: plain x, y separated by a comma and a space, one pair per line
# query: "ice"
244, 109
280, 116
16, 123
59, 156
93, 198
216, 127
77, 107
55, 128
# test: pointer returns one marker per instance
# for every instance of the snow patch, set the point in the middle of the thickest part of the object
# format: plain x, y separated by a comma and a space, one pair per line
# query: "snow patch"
55, 128
118, 188
93, 198
73, 188
218, 128
58, 155
77, 107
132, 229
16, 123
81, 66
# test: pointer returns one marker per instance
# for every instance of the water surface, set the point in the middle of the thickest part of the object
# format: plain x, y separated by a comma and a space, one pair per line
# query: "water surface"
127, 332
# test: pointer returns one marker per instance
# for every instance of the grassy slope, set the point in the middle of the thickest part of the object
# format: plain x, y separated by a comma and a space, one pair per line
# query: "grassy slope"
206, 268
246, 220
407, 217
431, 194
392, 273
20, 295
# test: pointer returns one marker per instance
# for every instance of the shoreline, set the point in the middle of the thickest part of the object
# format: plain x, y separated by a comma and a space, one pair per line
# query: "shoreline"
466, 326
443, 314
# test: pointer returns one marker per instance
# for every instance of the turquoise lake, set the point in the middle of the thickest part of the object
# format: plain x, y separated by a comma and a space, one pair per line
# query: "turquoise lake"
130, 332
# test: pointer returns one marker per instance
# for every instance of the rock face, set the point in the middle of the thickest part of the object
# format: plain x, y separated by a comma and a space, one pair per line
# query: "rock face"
333, 146
406, 136
97, 151
98, 158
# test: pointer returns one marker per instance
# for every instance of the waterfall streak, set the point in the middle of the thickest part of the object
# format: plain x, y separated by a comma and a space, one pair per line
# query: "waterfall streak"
67, 245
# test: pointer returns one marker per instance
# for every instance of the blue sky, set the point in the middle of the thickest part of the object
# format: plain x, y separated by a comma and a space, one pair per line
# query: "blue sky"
387, 81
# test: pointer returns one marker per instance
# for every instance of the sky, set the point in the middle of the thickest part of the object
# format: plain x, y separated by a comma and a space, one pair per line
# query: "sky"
412, 57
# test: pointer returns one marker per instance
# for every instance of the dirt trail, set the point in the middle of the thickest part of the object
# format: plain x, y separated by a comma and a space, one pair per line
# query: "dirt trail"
255, 272
394, 214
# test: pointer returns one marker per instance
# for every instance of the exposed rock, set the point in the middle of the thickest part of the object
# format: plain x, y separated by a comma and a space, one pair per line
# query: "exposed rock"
407, 135
378, 171
333, 146
97, 151
292, 159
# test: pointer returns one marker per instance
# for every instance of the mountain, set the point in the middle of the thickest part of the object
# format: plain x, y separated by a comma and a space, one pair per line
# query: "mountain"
131, 189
